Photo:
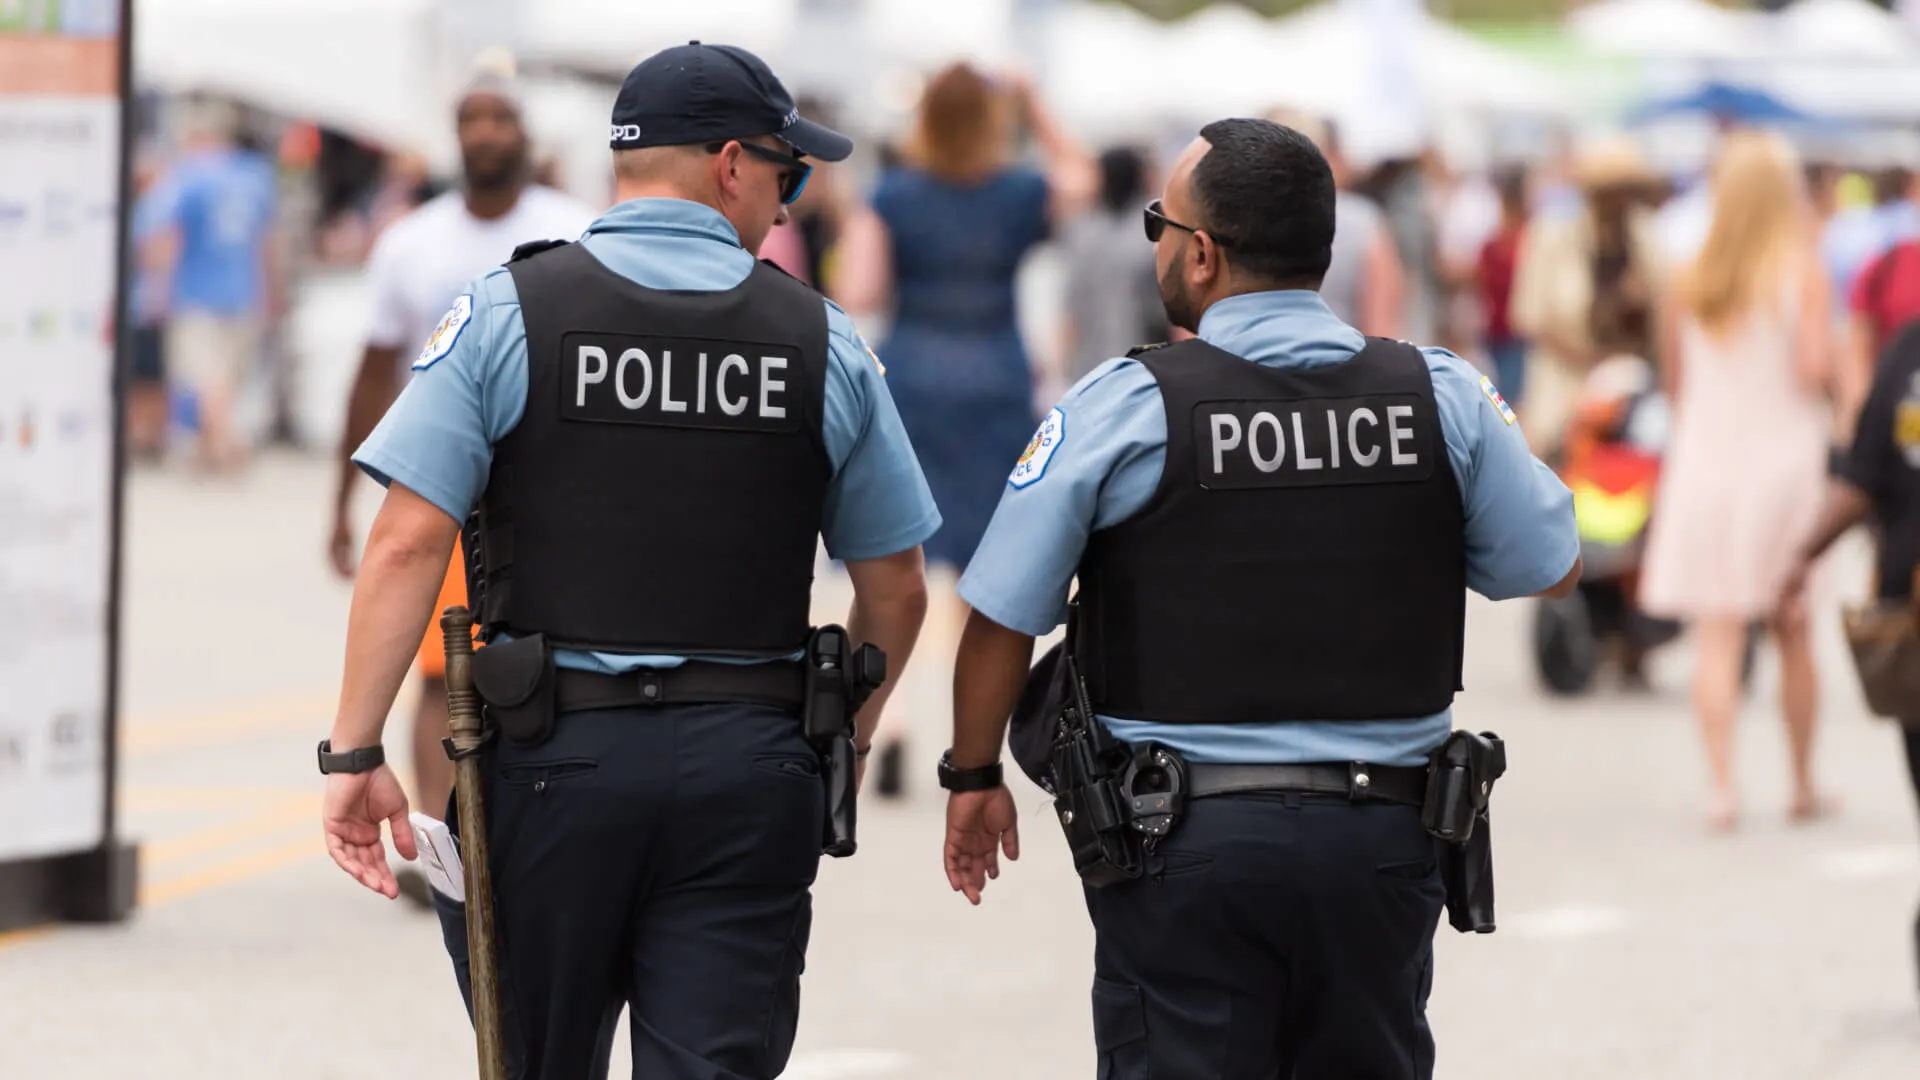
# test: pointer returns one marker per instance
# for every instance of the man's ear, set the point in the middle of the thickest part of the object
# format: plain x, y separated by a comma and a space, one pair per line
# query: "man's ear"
1207, 257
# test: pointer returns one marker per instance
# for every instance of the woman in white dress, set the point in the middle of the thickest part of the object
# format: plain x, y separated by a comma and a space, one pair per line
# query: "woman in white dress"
1748, 364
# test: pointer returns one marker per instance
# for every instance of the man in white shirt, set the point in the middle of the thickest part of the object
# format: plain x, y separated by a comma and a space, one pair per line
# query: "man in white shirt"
417, 270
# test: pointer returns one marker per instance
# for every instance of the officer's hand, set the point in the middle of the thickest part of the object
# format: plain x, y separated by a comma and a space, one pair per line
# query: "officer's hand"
355, 805
980, 825
340, 546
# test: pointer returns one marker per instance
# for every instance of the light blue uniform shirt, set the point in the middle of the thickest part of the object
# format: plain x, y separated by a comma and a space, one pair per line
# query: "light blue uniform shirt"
1104, 468
467, 394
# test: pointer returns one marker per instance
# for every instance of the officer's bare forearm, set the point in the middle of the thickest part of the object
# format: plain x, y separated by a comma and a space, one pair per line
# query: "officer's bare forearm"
987, 676
374, 389
889, 605
405, 564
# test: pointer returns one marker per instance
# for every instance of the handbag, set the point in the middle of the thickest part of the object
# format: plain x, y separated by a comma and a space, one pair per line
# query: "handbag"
1884, 636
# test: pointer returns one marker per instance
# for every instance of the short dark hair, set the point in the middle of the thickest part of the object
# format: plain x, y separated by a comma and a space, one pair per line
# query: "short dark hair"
1123, 179
1267, 192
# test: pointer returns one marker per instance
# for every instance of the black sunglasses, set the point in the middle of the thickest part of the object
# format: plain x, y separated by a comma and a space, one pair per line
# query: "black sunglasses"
1156, 221
793, 180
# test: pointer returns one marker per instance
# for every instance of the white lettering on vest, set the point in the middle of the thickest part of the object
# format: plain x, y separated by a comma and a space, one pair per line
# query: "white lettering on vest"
1333, 440
1266, 464
1301, 460
630, 401
734, 406
768, 385
1226, 436
1398, 434
667, 404
1360, 458
700, 387
590, 376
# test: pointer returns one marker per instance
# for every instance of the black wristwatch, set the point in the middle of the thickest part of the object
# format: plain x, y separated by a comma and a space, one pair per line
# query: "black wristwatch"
984, 778
365, 759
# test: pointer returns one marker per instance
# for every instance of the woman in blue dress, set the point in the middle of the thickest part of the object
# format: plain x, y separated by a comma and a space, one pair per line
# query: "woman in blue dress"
942, 243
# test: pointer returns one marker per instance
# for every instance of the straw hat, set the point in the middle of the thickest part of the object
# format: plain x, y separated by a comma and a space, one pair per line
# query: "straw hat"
1612, 161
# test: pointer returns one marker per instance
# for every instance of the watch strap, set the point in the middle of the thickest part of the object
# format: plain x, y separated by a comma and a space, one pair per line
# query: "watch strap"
981, 778
362, 759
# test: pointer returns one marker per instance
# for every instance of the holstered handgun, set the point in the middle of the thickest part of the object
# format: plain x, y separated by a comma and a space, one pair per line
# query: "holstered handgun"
1460, 778
840, 679
1089, 769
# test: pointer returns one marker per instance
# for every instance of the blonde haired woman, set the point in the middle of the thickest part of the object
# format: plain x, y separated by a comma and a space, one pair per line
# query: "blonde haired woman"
1748, 363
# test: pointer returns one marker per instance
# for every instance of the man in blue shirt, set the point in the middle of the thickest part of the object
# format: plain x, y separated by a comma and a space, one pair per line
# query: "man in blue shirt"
211, 243
1273, 532
656, 431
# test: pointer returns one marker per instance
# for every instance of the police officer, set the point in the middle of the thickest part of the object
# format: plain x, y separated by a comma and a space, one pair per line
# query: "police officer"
1273, 528
656, 430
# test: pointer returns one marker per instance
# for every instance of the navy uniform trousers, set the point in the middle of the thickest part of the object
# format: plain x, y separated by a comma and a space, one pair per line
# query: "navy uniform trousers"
1274, 937
661, 859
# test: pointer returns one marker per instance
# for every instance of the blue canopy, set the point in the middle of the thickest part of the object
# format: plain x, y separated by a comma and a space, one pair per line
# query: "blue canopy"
1739, 104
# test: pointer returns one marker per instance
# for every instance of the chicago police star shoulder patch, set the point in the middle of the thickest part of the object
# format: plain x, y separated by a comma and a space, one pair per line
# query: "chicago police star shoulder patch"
1033, 462
448, 332
1493, 395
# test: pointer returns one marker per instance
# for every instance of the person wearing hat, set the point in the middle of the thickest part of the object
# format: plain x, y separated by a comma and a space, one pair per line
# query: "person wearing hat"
1585, 284
419, 264
652, 432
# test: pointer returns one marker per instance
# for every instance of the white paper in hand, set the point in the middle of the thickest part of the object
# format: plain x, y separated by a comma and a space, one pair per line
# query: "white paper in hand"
439, 856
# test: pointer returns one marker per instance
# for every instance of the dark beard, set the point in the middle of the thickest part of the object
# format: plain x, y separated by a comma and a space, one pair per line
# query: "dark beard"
500, 178
1178, 299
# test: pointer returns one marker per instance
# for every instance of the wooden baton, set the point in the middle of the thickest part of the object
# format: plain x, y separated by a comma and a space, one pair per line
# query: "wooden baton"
467, 728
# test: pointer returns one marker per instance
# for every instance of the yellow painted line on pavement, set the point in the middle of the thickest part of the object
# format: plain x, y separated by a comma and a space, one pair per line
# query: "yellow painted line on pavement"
261, 718
168, 800
285, 815
233, 871
21, 937
304, 809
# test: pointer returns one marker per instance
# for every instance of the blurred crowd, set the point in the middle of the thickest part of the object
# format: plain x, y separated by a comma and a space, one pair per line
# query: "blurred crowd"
1743, 312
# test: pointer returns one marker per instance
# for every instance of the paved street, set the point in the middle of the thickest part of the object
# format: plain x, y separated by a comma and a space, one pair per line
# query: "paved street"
1631, 943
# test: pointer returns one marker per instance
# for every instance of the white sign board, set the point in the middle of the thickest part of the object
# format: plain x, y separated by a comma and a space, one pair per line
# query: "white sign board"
59, 185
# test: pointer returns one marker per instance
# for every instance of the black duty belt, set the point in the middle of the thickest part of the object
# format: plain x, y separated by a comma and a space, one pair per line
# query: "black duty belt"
1359, 781
779, 685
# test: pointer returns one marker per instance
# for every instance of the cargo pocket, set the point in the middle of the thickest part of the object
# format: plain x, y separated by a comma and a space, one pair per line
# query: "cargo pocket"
1120, 1030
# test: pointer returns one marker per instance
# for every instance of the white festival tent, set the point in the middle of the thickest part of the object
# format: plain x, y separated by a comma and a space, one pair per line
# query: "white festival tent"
1840, 30
371, 67
1667, 30
386, 70
1110, 69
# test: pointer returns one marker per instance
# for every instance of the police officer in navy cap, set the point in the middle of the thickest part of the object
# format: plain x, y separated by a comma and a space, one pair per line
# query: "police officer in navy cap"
1273, 529
652, 431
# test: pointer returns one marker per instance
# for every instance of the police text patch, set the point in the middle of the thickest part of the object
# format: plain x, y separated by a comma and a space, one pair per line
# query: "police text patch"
1033, 462
1374, 439
440, 343
680, 382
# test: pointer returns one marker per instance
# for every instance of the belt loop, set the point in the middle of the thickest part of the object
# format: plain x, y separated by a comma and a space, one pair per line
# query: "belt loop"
1359, 782
653, 690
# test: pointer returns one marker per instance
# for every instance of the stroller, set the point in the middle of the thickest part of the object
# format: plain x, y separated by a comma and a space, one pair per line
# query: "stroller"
1611, 461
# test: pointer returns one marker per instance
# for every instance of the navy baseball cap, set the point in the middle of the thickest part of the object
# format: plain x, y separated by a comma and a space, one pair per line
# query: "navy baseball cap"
696, 93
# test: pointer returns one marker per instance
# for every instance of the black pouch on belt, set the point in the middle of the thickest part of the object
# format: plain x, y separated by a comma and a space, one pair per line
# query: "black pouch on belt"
515, 681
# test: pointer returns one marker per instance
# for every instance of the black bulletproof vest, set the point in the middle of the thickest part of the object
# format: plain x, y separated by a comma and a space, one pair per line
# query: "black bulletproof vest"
1302, 558
663, 492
